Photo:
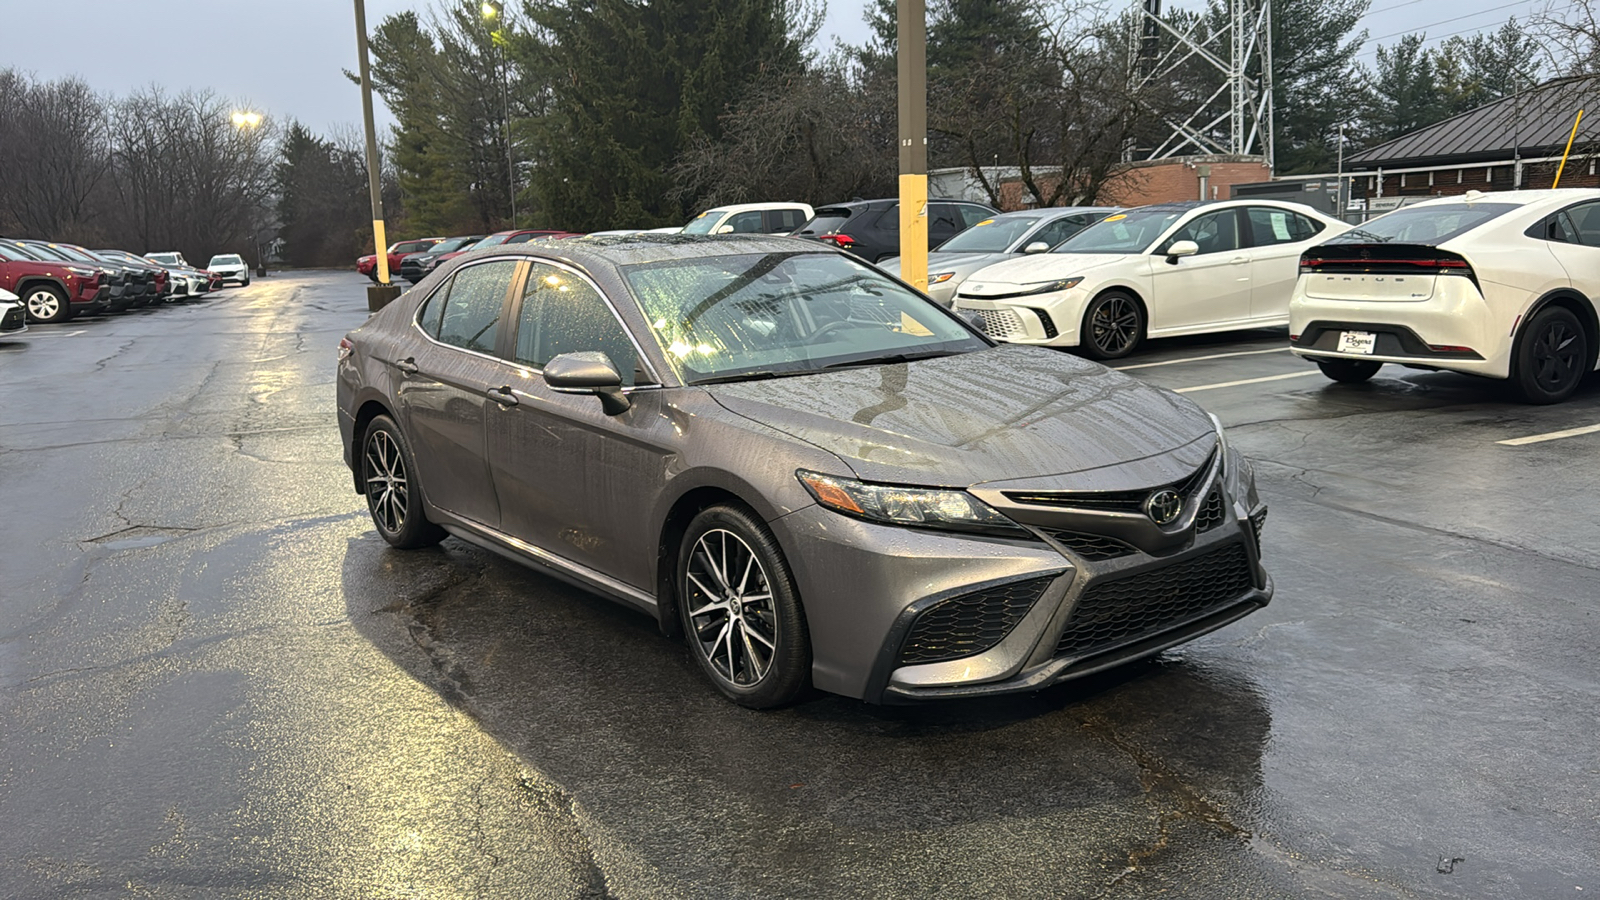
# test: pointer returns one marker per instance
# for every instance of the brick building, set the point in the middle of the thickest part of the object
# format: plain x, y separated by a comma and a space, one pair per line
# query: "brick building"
1136, 184
1513, 143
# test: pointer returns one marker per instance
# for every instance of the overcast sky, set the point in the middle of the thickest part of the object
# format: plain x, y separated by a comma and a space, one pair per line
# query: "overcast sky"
284, 57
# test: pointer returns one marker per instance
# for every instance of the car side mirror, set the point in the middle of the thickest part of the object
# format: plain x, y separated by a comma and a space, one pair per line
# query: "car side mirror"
726, 229
588, 372
1181, 249
1037, 247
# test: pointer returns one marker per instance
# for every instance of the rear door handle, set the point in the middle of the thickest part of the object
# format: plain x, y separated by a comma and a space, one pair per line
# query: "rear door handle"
502, 395
407, 365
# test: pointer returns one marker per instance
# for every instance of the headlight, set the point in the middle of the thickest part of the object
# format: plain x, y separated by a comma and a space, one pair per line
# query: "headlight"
892, 505
940, 278
1050, 287
80, 272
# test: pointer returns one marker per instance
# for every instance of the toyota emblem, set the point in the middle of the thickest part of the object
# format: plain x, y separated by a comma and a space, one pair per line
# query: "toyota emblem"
1163, 507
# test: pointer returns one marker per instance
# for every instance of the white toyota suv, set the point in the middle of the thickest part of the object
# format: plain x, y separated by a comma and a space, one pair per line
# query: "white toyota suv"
1154, 271
750, 218
1504, 285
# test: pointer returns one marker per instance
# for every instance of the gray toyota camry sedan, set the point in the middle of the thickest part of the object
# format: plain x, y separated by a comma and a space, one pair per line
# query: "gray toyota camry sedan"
808, 470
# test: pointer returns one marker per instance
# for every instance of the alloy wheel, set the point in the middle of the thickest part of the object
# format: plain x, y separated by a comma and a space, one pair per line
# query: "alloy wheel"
1556, 356
730, 608
1114, 326
386, 481
44, 304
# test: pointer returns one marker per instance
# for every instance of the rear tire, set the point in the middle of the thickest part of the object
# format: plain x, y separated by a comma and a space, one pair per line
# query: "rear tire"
394, 497
1349, 371
46, 304
1551, 357
1113, 326
740, 611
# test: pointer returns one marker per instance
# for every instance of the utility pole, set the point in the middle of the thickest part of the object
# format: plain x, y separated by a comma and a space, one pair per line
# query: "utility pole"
381, 293
912, 60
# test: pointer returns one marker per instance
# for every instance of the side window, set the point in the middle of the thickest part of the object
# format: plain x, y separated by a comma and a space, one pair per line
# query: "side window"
744, 223
1270, 226
562, 313
522, 238
1061, 229
972, 215
433, 310
944, 220
471, 317
889, 219
784, 220
1216, 232
1585, 219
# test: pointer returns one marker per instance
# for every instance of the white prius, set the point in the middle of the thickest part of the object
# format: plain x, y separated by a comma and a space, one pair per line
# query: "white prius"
1504, 285
1154, 271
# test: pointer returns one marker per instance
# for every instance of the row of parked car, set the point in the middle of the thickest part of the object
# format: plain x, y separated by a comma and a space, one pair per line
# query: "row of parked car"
52, 281
1102, 280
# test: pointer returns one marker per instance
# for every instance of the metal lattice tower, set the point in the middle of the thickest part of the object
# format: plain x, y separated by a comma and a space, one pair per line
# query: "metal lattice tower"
1240, 52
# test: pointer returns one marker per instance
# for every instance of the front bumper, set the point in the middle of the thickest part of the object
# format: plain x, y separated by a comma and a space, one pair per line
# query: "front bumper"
1046, 319
871, 592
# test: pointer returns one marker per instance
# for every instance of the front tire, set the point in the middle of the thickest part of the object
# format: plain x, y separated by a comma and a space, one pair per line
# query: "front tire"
46, 304
1551, 357
393, 498
740, 611
1349, 371
1113, 326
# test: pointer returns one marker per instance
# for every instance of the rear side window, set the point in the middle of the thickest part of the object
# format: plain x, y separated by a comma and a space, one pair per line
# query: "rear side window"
785, 220
828, 221
433, 309
471, 318
744, 223
1270, 226
1061, 229
1424, 224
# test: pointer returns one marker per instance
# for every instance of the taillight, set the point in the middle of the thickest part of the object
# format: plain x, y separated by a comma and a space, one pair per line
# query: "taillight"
345, 348
842, 241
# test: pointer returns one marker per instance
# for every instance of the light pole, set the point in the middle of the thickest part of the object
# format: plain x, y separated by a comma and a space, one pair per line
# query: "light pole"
245, 120
912, 64
491, 12
381, 293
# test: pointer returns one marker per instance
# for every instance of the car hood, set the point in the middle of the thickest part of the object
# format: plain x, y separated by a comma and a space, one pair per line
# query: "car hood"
1037, 268
1005, 414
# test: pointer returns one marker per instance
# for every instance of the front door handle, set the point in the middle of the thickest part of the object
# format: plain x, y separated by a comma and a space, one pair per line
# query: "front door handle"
407, 365
502, 395
1239, 259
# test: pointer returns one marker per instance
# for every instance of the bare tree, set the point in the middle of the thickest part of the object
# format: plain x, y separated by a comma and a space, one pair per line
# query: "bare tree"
1570, 32
53, 140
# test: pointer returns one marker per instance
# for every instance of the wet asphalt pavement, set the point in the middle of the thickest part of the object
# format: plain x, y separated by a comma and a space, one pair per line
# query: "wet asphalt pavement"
216, 680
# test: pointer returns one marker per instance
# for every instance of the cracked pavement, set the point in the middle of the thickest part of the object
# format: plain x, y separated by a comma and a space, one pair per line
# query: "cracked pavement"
216, 681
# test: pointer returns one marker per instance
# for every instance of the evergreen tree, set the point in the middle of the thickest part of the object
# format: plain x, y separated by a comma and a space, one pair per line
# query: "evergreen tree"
322, 199
633, 86
1405, 92
1314, 78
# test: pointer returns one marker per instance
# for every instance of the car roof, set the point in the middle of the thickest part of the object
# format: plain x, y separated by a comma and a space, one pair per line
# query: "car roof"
746, 207
648, 247
1520, 198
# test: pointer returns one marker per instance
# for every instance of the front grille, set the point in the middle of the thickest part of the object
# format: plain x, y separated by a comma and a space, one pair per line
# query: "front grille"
970, 623
1002, 323
1211, 514
1111, 501
1091, 546
1126, 609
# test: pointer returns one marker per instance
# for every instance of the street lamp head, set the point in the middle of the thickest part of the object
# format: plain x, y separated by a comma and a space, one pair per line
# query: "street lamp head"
245, 119
490, 11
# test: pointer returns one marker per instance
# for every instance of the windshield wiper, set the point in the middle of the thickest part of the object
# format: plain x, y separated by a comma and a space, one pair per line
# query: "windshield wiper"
762, 375
891, 358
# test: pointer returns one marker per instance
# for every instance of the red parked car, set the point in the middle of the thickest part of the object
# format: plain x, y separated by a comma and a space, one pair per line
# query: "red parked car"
368, 265
52, 290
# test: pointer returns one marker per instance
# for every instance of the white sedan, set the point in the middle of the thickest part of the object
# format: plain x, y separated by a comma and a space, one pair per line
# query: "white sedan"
1505, 285
1155, 271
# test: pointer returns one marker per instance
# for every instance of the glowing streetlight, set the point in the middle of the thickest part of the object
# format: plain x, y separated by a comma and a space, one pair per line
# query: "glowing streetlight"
246, 119
490, 11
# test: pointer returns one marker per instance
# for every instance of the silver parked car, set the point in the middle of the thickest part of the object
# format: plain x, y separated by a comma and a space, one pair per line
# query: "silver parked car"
811, 472
997, 239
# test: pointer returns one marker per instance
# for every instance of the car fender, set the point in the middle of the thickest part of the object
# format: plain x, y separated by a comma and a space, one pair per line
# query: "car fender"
26, 281
1586, 313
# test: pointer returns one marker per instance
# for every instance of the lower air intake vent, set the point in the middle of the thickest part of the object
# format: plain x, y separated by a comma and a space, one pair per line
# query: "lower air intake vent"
970, 623
1125, 609
1091, 546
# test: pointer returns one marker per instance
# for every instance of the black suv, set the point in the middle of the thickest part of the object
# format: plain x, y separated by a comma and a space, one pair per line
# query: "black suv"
871, 228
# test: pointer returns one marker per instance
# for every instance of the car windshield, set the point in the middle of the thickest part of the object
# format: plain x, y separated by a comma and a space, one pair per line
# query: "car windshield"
46, 252
166, 259
17, 254
229, 260
491, 241
760, 315
1424, 224
994, 235
703, 223
1129, 232
455, 243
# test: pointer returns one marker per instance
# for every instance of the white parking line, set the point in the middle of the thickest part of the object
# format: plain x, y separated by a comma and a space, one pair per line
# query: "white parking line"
1212, 387
32, 333
1550, 436
1173, 362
